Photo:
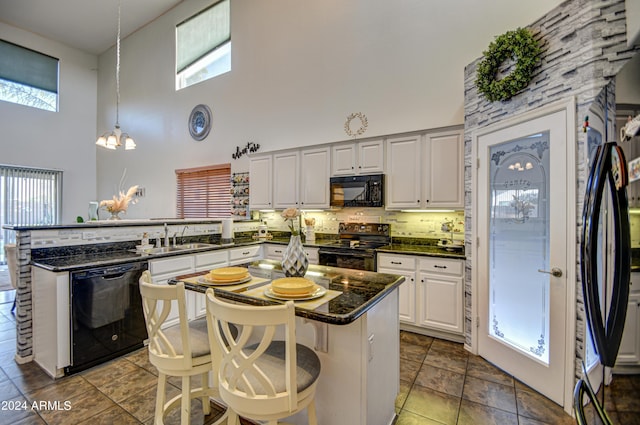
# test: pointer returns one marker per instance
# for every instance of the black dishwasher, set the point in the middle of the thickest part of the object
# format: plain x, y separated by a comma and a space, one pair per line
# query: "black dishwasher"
106, 314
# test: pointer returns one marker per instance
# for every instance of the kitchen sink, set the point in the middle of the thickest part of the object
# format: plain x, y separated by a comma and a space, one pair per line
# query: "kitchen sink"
197, 245
175, 248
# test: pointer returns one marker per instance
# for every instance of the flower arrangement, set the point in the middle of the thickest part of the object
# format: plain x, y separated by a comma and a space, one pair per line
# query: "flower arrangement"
121, 203
290, 214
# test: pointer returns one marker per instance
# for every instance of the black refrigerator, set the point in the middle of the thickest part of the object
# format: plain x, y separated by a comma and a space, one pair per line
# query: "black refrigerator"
606, 292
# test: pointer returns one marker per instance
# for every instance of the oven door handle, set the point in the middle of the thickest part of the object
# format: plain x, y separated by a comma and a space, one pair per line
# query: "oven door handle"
346, 253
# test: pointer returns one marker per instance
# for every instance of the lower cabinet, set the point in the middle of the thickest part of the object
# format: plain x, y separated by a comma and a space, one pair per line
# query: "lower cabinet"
434, 300
164, 269
274, 252
629, 352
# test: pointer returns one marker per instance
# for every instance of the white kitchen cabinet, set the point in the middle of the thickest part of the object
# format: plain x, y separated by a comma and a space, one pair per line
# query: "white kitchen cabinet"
286, 184
164, 269
403, 172
425, 171
629, 352
443, 170
402, 265
441, 294
434, 303
314, 178
260, 182
245, 254
203, 262
364, 157
275, 251
298, 179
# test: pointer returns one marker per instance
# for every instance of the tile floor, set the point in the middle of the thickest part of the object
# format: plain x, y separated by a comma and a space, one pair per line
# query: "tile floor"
440, 384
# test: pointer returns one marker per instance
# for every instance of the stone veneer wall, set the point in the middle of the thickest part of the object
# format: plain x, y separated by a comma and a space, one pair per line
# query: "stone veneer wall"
584, 46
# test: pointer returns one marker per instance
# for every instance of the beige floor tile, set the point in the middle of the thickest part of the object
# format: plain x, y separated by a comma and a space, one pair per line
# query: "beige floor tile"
480, 368
536, 406
489, 393
442, 380
432, 404
474, 413
115, 415
453, 361
77, 408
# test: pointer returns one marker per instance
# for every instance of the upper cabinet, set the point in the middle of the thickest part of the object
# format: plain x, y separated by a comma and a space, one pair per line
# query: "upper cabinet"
364, 157
314, 178
261, 182
291, 179
425, 171
443, 170
285, 179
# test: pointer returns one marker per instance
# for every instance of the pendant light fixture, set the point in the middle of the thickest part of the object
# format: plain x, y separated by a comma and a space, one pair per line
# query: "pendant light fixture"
116, 138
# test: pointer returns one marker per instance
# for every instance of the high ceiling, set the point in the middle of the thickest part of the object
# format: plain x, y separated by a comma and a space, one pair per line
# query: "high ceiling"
87, 25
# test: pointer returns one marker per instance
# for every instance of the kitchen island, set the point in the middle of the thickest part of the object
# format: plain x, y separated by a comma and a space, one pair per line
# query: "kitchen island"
355, 333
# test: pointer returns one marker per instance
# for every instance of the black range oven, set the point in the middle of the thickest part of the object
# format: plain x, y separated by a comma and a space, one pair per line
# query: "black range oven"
355, 248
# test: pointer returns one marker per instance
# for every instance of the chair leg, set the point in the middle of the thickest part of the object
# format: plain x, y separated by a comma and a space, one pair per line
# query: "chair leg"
160, 398
13, 307
206, 405
311, 411
185, 417
232, 417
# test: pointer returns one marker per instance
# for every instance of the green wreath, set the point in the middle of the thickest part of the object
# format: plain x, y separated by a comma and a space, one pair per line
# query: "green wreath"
519, 45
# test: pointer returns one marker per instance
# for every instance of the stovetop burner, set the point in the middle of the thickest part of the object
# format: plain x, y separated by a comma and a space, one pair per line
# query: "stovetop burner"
362, 236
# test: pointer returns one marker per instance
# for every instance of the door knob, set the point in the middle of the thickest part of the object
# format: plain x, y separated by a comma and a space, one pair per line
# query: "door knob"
555, 272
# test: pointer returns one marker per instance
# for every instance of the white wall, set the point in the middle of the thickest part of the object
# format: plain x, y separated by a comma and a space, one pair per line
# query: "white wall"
298, 69
59, 140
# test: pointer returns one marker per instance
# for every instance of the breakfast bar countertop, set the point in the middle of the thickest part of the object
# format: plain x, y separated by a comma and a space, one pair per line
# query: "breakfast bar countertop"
359, 290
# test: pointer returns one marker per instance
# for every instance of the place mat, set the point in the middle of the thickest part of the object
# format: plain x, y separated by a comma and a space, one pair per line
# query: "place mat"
307, 304
193, 280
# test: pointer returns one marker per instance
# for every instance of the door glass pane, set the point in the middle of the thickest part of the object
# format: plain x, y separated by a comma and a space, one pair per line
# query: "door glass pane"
519, 244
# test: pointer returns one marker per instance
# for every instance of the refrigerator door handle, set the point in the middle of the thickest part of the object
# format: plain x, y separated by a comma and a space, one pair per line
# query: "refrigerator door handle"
555, 272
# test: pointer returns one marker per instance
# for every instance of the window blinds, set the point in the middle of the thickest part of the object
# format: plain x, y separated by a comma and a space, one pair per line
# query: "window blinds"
202, 34
29, 196
204, 192
28, 67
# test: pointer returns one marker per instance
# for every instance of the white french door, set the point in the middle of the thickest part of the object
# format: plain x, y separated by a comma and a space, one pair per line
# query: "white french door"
521, 228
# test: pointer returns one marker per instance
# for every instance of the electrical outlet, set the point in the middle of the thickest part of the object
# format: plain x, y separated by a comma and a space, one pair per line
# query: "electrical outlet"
89, 235
140, 192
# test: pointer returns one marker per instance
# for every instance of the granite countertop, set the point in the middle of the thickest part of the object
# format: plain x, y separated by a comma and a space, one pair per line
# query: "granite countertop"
361, 290
426, 250
99, 257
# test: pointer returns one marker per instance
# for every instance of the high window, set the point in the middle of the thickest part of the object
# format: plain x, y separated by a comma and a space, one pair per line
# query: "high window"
28, 77
204, 192
203, 45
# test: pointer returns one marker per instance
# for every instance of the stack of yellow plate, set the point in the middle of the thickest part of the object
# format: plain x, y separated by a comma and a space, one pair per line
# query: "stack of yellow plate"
228, 274
293, 286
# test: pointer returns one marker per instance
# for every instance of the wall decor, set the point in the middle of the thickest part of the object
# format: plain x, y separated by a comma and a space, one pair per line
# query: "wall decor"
200, 122
363, 124
249, 148
518, 45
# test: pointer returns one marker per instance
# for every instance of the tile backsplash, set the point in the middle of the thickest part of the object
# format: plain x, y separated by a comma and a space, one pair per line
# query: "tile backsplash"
403, 224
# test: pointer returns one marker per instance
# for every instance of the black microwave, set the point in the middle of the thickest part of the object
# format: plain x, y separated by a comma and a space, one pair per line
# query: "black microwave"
357, 191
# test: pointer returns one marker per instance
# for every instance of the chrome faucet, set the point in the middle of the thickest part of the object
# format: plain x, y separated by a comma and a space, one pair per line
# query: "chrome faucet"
166, 235
182, 234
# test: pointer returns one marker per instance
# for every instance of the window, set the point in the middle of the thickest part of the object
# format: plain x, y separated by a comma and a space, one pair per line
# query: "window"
27, 77
28, 196
204, 192
203, 45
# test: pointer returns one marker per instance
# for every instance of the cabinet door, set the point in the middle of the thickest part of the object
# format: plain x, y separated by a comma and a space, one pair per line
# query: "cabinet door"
166, 268
314, 178
629, 353
260, 182
403, 173
286, 183
443, 170
312, 255
406, 294
343, 159
440, 302
371, 157
205, 261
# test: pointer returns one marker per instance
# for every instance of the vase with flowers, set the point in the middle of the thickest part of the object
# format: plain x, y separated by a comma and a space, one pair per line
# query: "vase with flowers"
119, 204
294, 258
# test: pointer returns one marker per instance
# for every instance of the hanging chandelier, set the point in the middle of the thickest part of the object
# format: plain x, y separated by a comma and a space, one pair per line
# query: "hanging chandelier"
116, 138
